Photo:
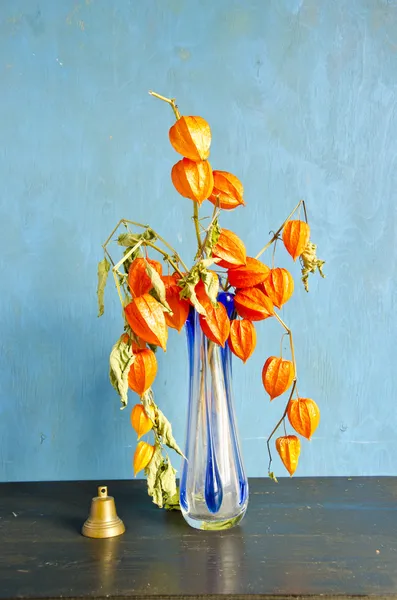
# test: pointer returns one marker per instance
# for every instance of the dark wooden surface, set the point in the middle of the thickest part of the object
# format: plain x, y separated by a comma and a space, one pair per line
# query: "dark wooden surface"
305, 537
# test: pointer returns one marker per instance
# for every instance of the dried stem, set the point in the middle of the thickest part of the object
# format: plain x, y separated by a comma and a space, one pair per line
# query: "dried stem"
291, 341
197, 226
215, 214
275, 236
167, 256
170, 101
126, 222
279, 423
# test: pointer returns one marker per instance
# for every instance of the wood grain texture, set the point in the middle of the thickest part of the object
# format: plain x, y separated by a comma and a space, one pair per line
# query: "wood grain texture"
306, 538
301, 98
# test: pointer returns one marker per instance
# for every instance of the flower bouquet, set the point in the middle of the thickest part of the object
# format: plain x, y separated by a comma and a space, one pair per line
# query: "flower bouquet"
218, 299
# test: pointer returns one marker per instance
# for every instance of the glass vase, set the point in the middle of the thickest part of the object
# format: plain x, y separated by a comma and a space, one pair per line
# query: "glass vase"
213, 485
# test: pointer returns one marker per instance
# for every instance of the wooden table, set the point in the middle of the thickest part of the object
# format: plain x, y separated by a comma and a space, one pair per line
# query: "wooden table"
302, 537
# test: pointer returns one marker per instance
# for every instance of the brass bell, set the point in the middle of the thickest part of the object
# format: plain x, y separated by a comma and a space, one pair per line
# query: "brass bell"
103, 521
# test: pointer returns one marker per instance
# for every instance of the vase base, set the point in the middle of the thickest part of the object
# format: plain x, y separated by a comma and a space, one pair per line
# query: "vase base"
213, 524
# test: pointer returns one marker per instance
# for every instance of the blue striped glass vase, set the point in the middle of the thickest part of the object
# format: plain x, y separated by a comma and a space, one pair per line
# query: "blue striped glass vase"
213, 485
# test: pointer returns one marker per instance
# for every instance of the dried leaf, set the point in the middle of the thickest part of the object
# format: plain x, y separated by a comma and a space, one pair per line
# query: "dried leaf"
310, 263
121, 359
212, 238
152, 472
161, 423
131, 239
172, 503
211, 285
168, 479
188, 284
164, 429
103, 272
158, 286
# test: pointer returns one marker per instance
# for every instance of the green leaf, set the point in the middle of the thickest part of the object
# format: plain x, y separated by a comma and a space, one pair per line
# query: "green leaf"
158, 286
103, 272
121, 359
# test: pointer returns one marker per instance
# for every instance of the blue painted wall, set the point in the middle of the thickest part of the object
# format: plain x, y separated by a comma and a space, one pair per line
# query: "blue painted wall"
301, 97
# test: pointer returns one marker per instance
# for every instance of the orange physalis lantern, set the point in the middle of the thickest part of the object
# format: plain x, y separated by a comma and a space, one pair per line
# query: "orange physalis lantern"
145, 316
142, 371
140, 420
227, 192
230, 249
142, 457
242, 338
192, 179
191, 137
296, 235
304, 416
180, 307
138, 279
289, 448
215, 323
253, 304
279, 286
277, 375
248, 275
